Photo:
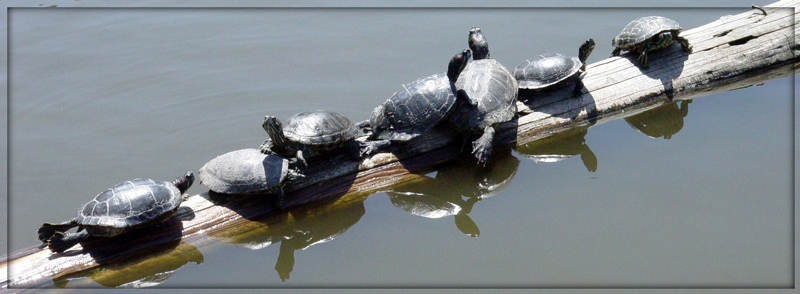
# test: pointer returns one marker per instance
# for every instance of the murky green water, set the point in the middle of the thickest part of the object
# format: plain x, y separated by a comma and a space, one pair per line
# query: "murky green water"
696, 194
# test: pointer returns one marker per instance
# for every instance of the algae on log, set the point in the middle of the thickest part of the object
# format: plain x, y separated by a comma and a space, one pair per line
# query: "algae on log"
733, 52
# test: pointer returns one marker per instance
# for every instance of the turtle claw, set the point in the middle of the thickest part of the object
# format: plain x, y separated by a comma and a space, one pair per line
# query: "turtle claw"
366, 150
482, 147
61, 241
294, 175
266, 147
371, 147
301, 160
299, 163
685, 44
643, 60
481, 151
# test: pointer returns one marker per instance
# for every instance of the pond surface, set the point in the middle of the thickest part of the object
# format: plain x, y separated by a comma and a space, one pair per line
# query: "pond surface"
694, 194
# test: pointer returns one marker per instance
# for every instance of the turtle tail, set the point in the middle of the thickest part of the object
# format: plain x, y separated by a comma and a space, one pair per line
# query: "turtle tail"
61, 241
47, 229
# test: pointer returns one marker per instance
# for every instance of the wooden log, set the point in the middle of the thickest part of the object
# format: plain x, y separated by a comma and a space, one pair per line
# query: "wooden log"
733, 52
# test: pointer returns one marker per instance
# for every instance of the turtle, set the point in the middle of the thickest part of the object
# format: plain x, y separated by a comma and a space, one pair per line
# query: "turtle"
553, 70
308, 134
416, 108
647, 34
249, 171
130, 205
486, 96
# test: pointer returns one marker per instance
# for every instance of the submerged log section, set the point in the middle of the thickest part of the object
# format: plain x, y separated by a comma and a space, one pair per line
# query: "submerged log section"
733, 52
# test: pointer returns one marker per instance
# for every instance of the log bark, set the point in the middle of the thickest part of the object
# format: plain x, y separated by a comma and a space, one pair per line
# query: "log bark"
733, 52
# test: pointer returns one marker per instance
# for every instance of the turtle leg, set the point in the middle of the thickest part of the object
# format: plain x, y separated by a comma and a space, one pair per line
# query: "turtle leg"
47, 229
482, 147
643, 59
683, 41
294, 175
578, 86
616, 52
362, 149
584, 51
61, 241
266, 147
301, 161
279, 202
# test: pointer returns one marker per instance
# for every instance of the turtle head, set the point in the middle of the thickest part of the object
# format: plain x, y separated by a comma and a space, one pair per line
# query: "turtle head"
274, 129
271, 123
585, 50
381, 120
457, 64
183, 183
478, 44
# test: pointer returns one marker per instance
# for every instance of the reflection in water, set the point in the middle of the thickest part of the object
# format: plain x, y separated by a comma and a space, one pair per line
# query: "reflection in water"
661, 122
560, 147
456, 188
297, 229
145, 271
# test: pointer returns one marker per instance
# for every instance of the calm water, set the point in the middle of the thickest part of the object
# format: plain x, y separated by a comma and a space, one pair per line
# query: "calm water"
694, 195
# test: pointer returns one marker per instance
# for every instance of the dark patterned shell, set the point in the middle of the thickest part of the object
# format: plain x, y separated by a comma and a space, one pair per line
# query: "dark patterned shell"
244, 171
641, 29
319, 128
545, 70
492, 88
130, 203
415, 109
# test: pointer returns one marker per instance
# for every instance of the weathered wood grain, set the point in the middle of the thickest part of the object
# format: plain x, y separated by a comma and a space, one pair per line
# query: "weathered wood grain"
733, 52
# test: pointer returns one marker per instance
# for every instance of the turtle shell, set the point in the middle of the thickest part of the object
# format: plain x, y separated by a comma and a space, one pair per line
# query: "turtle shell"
244, 171
546, 70
321, 129
413, 110
492, 88
641, 29
129, 204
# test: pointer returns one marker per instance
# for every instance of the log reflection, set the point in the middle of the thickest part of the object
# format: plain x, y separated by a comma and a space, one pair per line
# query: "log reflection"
147, 270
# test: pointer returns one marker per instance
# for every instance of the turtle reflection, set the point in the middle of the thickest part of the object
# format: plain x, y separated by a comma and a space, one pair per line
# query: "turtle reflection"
297, 229
456, 188
661, 122
146, 271
561, 147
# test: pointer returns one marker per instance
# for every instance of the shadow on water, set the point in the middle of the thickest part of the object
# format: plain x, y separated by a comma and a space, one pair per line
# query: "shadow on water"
661, 122
560, 147
144, 269
296, 229
456, 188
